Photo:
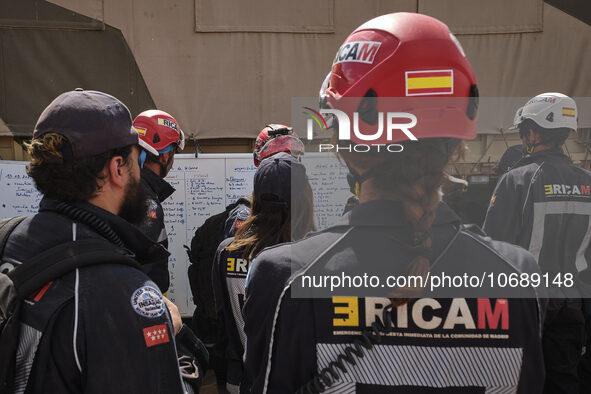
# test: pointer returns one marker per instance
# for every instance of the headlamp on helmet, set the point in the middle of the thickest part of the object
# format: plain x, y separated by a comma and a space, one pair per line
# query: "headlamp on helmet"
276, 138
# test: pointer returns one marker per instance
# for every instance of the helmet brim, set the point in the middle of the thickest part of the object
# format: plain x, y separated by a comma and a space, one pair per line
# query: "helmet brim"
144, 145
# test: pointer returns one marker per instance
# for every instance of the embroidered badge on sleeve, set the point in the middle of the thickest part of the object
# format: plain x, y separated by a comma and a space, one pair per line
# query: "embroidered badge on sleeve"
156, 335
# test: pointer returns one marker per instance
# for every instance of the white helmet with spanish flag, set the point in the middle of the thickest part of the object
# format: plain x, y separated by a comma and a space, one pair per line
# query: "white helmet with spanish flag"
550, 111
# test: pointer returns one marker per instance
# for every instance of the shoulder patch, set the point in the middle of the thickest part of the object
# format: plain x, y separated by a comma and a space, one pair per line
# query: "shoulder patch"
148, 302
156, 335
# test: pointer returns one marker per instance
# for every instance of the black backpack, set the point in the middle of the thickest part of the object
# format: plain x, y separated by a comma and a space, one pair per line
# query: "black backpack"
21, 281
204, 244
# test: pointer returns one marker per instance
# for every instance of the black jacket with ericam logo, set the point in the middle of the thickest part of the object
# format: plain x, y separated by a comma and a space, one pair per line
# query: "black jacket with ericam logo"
544, 205
158, 190
229, 272
99, 329
454, 344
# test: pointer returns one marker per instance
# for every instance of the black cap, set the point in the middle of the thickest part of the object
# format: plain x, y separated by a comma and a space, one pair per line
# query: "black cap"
93, 122
276, 177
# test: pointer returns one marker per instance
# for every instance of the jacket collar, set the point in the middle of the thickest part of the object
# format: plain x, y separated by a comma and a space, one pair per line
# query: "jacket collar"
554, 154
145, 250
159, 186
391, 213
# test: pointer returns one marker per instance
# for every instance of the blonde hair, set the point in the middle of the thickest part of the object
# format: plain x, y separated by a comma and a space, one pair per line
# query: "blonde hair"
46, 149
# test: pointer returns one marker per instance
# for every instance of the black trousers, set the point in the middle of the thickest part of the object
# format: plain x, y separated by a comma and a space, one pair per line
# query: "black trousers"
585, 364
563, 341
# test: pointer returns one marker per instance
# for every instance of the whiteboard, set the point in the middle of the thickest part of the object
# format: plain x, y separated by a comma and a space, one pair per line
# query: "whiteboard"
204, 187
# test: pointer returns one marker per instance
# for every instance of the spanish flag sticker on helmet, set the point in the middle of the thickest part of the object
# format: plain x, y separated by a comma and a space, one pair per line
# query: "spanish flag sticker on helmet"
429, 82
570, 112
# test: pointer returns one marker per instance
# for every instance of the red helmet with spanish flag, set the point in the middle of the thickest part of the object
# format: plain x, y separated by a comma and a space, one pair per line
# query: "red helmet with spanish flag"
404, 63
159, 130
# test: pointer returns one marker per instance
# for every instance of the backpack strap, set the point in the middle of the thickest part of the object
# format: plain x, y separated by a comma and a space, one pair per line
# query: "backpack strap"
6, 227
242, 200
61, 259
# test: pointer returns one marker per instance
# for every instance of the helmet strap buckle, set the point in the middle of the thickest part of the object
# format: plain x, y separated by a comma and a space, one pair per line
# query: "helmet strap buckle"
530, 148
354, 179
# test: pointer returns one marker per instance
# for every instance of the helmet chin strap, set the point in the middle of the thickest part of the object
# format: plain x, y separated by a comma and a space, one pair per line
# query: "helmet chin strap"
142, 158
164, 167
530, 148
354, 179
143, 155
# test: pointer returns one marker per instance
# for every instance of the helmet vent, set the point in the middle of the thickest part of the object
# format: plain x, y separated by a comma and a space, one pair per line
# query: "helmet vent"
368, 107
472, 103
550, 117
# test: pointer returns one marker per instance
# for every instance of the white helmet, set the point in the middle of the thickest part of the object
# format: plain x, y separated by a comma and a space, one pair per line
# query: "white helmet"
550, 111
516, 119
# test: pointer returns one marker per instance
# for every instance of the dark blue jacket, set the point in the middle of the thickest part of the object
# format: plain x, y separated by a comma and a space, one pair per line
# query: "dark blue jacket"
99, 329
229, 272
544, 205
470, 343
158, 190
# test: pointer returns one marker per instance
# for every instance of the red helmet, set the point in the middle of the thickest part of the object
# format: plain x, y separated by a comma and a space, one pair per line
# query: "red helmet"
411, 57
276, 138
159, 130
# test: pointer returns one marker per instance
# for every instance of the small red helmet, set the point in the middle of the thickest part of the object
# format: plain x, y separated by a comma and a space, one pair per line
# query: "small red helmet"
276, 138
411, 57
159, 130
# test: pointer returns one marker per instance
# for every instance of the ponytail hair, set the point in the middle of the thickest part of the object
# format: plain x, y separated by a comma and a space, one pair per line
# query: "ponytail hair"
413, 177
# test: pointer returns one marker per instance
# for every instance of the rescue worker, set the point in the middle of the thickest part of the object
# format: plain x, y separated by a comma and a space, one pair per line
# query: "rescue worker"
105, 327
162, 132
544, 205
346, 341
513, 153
280, 188
273, 139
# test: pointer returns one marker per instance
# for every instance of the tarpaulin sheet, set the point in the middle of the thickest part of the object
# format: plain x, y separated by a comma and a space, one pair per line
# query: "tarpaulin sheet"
39, 64
224, 80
